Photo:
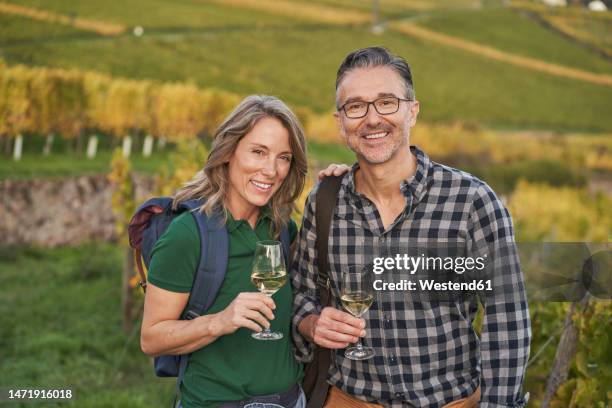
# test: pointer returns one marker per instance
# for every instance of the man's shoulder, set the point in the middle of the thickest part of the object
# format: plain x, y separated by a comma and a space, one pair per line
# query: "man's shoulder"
447, 177
314, 193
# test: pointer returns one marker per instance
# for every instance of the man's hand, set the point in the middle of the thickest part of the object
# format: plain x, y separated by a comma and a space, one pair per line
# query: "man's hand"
333, 328
334, 170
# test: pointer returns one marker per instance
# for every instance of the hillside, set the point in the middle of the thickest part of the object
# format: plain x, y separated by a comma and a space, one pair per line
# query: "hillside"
263, 47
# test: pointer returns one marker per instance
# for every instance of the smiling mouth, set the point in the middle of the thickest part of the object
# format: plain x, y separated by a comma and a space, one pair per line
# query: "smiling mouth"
263, 187
374, 136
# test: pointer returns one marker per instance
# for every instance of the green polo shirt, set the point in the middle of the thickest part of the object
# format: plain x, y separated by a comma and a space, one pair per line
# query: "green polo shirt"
235, 366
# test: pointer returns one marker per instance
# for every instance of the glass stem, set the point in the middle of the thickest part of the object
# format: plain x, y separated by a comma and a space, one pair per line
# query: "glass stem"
268, 329
358, 344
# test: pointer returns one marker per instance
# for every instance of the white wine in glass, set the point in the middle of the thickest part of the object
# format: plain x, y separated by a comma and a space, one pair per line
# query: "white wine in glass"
357, 295
268, 274
357, 303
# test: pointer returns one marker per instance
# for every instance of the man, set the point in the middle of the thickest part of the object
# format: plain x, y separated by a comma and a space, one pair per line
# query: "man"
426, 353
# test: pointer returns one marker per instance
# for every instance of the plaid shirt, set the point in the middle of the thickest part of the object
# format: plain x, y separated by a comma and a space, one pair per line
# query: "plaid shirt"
427, 353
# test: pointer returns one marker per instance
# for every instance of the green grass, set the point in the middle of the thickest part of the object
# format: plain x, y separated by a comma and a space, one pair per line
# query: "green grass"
393, 9
511, 31
59, 165
64, 162
158, 13
61, 328
12, 30
598, 32
300, 65
246, 51
320, 155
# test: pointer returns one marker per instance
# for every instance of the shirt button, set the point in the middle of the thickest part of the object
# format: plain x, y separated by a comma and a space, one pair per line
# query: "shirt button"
399, 395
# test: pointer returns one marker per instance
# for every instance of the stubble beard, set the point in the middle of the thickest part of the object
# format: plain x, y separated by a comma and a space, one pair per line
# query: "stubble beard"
377, 155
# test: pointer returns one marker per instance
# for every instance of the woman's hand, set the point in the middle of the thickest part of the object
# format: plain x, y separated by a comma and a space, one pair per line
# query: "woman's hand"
249, 309
334, 170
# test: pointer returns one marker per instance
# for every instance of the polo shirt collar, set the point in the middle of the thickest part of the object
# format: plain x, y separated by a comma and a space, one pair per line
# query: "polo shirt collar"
233, 224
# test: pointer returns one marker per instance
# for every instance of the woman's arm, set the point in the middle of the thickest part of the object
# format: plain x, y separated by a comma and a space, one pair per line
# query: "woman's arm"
163, 334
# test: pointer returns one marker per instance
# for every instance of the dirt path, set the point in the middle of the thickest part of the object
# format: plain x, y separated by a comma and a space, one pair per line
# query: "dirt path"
97, 26
334, 15
495, 54
313, 12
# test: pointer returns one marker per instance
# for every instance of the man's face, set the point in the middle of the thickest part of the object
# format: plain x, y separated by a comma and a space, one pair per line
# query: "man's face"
375, 138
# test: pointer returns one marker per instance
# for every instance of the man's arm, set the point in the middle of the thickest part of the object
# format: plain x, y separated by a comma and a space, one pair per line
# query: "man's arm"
506, 331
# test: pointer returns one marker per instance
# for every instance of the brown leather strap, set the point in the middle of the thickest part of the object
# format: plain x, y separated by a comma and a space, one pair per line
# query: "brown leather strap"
467, 402
315, 379
140, 267
340, 399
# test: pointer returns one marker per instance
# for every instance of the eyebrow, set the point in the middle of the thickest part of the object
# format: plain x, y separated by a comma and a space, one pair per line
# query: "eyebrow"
380, 95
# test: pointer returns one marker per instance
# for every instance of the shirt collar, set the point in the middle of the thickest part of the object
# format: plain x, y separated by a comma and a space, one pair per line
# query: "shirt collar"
416, 186
233, 224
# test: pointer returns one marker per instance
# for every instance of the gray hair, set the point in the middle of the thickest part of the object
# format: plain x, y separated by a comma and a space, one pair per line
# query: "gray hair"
377, 57
212, 182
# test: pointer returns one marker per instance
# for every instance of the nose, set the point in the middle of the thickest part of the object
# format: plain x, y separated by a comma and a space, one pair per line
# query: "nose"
372, 118
269, 168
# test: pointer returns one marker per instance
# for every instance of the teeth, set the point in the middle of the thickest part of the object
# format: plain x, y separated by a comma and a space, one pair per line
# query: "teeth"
262, 185
376, 135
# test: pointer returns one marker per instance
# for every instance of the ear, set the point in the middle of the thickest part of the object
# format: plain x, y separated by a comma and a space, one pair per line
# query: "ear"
337, 116
414, 112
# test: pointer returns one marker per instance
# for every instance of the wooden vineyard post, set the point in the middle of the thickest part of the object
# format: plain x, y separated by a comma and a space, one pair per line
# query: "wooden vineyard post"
18, 147
566, 350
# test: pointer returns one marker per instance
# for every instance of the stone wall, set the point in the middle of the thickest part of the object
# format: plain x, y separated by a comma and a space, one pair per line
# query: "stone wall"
60, 212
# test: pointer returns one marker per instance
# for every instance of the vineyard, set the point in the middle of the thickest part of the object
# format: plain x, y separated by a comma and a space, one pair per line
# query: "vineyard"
517, 94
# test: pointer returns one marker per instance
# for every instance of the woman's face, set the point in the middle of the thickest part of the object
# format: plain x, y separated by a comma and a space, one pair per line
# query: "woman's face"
259, 165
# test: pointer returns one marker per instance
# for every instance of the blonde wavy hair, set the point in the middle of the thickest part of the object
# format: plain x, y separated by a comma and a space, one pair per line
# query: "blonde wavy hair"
211, 184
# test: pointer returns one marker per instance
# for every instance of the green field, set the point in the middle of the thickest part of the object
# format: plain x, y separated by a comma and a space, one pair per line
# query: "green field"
60, 313
512, 31
61, 325
64, 161
248, 51
12, 32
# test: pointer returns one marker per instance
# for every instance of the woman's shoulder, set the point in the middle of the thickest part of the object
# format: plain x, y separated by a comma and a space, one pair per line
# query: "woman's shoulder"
183, 227
175, 256
180, 235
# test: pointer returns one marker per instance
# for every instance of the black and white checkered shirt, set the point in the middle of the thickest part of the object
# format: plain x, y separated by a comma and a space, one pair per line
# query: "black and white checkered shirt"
427, 353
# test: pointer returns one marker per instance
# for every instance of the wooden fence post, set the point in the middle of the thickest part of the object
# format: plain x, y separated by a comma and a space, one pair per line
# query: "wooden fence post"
566, 350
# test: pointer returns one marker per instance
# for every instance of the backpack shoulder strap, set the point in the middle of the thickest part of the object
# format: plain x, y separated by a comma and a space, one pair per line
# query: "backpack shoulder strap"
214, 253
325, 204
285, 239
212, 266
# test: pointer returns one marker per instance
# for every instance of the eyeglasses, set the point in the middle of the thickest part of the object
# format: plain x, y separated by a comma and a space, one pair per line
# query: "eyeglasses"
386, 105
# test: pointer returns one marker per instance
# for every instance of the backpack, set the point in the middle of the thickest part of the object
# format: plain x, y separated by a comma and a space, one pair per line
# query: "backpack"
148, 224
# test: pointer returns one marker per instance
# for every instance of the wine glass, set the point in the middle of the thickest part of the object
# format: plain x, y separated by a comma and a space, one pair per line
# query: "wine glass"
268, 274
357, 295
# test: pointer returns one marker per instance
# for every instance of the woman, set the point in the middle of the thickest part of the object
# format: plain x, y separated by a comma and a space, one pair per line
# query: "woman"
255, 171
